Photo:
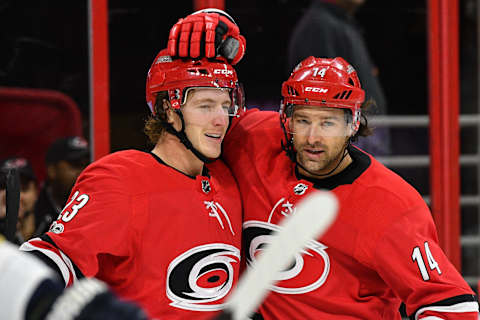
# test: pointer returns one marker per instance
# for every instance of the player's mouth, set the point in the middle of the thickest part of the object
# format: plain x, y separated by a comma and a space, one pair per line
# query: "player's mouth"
217, 137
314, 153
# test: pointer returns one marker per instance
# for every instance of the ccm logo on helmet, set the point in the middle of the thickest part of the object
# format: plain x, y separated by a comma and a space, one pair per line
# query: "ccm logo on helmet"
223, 71
315, 89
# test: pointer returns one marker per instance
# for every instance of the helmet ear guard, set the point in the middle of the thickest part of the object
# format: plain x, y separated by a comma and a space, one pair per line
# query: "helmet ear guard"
354, 122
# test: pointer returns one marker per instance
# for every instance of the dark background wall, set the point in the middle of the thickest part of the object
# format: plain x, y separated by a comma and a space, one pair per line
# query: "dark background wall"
44, 45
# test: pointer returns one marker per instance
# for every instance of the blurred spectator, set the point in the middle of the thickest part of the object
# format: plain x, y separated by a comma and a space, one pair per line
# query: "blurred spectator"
28, 197
328, 29
65, 159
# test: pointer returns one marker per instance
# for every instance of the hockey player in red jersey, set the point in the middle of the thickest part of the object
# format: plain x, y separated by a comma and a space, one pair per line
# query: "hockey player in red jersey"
161, 228
383, 248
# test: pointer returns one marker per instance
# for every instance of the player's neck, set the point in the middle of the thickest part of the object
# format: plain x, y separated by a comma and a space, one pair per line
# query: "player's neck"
344, 162
176, 155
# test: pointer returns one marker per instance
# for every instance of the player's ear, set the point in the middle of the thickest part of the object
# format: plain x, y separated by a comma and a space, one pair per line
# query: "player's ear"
172, 116
350, 130
168, 111
352, 125
289, 124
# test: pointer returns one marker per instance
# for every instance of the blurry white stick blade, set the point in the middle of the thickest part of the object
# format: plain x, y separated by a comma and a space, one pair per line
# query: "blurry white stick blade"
312, 217
27, 286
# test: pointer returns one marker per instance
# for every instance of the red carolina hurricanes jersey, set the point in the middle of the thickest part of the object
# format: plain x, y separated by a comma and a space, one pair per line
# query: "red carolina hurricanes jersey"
381, 250
168, 241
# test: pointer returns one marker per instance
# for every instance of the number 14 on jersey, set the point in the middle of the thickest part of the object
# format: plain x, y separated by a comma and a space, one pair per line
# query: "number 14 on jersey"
418, 257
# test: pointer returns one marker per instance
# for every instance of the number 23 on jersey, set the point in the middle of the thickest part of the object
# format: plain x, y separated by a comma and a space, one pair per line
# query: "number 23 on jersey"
77, 202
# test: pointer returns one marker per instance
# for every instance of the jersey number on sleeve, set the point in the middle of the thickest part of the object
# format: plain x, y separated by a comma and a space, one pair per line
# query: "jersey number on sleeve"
79, 203
417, 256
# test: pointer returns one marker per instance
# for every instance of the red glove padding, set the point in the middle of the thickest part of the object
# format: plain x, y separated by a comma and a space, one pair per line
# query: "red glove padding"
207, 33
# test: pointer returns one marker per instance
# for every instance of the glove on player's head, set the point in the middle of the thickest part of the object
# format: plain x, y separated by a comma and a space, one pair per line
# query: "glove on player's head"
207, 33
323, 82
176, 76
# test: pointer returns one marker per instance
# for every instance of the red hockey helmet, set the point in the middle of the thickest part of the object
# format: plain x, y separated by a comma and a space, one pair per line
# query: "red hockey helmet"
179, 75
325, 83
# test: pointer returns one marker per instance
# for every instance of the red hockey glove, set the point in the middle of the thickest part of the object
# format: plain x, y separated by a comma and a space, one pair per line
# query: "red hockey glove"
209, 33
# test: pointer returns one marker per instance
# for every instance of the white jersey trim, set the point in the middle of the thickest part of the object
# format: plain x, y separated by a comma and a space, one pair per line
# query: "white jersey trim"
459, 307
62, 261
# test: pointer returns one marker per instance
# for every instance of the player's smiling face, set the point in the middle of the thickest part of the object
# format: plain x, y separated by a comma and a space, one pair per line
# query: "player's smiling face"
319, 137
206, 119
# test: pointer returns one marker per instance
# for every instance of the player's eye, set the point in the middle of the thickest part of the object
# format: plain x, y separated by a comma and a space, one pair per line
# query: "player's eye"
328, 123
205, 107
302, 121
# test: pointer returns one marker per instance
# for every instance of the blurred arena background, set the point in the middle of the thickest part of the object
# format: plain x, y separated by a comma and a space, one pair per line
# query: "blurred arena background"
44, 45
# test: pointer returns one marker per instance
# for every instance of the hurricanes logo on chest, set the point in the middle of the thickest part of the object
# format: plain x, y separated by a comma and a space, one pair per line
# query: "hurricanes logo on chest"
201, 277
310, 269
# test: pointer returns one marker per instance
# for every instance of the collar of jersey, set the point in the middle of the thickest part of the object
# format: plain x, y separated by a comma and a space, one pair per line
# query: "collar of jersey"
360, 163
205, 171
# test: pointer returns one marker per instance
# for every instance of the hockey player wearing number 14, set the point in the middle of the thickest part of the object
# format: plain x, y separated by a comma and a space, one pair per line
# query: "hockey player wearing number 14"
161, 228
383, 247
381, 250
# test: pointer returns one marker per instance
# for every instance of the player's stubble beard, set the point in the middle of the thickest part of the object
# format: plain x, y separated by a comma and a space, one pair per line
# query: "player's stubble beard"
331, 159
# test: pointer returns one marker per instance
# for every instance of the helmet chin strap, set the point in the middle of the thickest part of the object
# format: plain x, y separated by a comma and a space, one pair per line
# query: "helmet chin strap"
182, 136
